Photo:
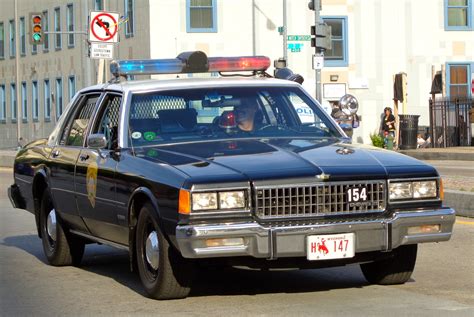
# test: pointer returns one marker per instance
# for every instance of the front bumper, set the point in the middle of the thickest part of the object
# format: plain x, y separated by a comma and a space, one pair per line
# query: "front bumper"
290, 241
15, 197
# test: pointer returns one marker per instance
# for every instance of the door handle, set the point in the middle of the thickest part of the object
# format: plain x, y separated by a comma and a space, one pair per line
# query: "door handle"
55, 153
84, 157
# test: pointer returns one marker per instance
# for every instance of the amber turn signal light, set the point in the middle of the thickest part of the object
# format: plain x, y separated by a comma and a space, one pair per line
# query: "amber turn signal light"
184, 206
441, 189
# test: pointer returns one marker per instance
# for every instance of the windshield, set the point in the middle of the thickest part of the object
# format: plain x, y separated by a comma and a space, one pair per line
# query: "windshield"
223, 113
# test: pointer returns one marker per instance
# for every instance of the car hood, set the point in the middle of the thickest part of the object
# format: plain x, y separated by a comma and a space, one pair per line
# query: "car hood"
258, 159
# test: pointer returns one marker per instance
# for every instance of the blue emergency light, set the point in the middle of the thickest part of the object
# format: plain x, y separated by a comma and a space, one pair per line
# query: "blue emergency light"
189, 62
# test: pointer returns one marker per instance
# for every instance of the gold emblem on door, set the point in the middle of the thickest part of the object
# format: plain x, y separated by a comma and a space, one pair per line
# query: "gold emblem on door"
91, 182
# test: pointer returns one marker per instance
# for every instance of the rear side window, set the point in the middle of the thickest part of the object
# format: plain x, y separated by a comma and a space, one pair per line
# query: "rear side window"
76, 127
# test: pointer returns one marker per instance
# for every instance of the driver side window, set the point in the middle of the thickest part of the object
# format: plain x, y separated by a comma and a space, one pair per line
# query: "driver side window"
76, 128
109, 120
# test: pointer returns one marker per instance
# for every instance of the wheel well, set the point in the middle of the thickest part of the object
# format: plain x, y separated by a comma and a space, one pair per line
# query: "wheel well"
138, 201
39, 186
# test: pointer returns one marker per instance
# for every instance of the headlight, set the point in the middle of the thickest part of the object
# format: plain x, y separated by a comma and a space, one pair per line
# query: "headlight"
426, 189
400, 191
204, 201
413, 190
232, 200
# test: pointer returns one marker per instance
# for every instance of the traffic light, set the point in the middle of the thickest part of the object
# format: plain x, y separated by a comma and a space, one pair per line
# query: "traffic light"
36, 28
321, 36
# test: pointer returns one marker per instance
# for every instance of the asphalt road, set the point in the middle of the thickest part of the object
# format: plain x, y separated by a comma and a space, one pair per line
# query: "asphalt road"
442, 284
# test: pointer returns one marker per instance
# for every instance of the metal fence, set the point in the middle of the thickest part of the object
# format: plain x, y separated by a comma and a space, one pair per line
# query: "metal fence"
450, 122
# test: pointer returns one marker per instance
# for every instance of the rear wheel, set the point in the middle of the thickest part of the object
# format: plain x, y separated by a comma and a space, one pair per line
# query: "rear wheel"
393, 270
164, 273
60, 247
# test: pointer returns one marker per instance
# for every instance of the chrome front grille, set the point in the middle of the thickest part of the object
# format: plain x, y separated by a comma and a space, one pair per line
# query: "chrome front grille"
320, 199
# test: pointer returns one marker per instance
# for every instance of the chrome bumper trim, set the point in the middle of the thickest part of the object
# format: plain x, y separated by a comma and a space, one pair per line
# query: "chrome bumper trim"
275, 242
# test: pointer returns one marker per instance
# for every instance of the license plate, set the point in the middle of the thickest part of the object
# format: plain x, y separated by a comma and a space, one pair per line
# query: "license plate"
331, 246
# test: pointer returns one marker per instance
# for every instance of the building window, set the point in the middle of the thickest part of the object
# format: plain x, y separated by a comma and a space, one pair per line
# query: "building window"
99, 5
59, 97
57, 28
22, 37
34, 100
130, 16
2, 41
3, 105
13, 101
337, 56
12, 38
47, 100
71, 86
70, 24
24, 103
458, 15
458, 80
201, 16
46, 29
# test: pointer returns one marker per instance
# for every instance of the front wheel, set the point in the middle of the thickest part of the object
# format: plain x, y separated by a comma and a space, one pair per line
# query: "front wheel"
60, 247
393, 270
163, 272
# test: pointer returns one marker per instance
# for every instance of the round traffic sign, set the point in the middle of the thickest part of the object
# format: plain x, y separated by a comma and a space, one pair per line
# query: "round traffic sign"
109, 26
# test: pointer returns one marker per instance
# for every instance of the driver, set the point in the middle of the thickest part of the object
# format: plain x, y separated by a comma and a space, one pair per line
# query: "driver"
245, 115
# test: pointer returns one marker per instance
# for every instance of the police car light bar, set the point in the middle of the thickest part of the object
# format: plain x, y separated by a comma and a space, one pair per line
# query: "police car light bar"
239, 63
189, 62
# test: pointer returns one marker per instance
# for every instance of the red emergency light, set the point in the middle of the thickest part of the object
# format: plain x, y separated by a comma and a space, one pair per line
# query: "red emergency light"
238, 63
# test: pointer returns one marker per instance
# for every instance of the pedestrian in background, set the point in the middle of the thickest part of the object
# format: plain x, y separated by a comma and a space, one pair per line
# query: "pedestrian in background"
388, 126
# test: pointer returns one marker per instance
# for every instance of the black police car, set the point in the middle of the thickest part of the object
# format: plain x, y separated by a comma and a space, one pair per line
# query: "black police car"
246, 171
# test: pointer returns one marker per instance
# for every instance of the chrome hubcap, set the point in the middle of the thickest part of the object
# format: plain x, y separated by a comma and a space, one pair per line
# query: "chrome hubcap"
152, 250
51, 225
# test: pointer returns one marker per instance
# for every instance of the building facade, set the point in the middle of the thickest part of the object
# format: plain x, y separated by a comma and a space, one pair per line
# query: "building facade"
51, 73
372, 41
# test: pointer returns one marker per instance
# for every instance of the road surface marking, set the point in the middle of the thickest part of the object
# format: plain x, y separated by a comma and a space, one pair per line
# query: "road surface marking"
470, 223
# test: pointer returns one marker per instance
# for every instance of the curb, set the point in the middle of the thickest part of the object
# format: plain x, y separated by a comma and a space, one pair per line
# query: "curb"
442, 156
461, 201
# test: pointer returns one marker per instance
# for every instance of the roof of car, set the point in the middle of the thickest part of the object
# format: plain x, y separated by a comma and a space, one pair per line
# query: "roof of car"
159, 84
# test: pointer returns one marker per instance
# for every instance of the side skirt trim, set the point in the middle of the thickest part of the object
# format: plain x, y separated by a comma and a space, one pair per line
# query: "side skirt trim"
99, 240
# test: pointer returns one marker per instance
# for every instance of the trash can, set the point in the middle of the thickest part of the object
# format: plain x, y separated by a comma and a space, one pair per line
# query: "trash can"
408, 131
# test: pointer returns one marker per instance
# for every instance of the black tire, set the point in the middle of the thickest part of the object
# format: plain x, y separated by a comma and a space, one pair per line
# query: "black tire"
393, 270
173, 276
65, 249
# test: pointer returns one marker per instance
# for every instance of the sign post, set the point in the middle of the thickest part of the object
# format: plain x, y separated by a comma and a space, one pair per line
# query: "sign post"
103, 33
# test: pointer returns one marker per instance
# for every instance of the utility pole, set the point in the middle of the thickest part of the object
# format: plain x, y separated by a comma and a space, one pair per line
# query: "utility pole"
318, 52
320, 42
285, 34
19, 115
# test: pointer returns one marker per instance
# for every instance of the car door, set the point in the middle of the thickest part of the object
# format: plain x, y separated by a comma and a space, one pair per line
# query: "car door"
95, 177
64, 156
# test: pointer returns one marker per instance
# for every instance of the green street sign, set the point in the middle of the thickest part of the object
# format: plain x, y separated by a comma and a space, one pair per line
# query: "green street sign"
299, 38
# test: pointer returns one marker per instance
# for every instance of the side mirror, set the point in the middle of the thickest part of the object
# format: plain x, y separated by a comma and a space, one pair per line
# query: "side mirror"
348, 104
97, 141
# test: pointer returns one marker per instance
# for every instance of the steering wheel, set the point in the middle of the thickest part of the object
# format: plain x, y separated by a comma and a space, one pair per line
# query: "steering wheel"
272, 127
